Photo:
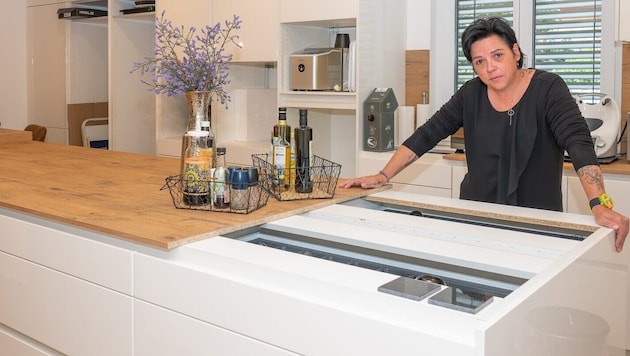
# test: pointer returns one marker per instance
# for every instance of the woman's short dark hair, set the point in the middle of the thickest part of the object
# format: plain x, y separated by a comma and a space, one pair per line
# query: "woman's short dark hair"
486, 27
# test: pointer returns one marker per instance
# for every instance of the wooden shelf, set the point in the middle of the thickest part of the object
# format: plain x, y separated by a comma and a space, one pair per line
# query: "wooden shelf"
319, 100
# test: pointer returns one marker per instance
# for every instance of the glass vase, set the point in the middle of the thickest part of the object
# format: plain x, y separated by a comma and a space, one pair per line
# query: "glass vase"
198, 112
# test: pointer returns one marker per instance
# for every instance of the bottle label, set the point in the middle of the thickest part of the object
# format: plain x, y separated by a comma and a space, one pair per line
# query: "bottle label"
281, 162
196, 174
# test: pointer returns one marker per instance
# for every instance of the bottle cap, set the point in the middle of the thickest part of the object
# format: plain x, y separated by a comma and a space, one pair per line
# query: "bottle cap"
221, 150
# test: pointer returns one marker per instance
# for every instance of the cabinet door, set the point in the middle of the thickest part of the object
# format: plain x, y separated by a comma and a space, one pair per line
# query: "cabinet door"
65, 313
14, 344
259, 33
307, 10
154, 327
196, 13
622, 26
47, 71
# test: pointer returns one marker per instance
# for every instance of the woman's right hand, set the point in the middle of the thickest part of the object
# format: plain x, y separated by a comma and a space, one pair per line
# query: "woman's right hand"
366, 182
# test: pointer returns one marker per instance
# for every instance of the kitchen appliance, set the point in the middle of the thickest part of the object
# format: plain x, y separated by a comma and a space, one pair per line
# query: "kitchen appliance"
316, 69
602, 115
378, 124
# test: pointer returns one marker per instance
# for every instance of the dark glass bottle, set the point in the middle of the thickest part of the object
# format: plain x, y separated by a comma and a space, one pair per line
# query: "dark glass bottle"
303, 155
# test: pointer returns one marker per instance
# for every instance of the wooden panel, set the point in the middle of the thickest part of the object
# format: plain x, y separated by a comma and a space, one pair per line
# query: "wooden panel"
7, 136
79, 112
416, 76
118, 193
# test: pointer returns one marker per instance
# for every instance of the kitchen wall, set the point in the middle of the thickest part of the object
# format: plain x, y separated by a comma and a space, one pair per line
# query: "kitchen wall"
13, 109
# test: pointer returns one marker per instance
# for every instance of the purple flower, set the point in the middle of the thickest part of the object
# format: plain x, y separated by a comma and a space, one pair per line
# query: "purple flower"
186, 61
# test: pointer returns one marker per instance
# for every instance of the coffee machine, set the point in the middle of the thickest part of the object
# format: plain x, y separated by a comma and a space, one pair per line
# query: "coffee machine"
378, 120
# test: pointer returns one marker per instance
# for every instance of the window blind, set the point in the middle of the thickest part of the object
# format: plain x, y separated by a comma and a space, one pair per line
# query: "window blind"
467, 12
567, 41
566, 37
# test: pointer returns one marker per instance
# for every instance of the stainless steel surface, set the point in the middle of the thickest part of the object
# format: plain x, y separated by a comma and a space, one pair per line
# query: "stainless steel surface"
315, 69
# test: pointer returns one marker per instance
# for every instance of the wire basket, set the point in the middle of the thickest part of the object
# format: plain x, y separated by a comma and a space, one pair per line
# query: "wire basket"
201, 195
317, 181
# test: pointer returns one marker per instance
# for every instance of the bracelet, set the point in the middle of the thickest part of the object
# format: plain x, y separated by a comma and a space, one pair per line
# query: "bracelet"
384, 175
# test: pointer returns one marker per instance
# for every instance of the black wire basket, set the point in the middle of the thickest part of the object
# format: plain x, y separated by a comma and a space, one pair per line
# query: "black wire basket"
202, 195
318, 181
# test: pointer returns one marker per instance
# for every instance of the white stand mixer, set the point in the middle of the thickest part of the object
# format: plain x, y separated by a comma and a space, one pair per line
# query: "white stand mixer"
604, 120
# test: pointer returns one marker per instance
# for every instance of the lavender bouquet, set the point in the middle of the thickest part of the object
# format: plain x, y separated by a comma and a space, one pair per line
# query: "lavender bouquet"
184, 61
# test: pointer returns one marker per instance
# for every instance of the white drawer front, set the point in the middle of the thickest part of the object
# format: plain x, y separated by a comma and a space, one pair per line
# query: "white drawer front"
63, 312
154, 328
100, 263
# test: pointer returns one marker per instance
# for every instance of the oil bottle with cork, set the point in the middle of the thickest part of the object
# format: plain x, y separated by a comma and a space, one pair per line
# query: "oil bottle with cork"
303, 155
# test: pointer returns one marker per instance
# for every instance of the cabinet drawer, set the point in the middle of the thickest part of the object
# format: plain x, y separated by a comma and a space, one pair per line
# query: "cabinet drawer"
65, 313
12, 344
154, 336
100, 263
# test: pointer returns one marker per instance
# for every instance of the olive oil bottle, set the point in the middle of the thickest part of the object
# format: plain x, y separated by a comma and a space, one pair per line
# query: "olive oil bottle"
281, 150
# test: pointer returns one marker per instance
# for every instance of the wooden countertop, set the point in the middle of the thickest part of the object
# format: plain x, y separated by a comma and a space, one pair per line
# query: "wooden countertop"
7, 135
119, 194
620, 166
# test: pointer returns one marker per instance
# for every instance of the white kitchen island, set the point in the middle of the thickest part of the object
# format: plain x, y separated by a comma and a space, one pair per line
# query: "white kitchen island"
230, 295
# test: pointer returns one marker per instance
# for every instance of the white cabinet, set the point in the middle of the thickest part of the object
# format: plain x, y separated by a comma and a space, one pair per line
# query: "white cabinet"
259, 34
430, 174
131, 105
47, 70
379, 33
56, 286
153, 336
622, 26
321, 10
68, 63
63, 312
12, 343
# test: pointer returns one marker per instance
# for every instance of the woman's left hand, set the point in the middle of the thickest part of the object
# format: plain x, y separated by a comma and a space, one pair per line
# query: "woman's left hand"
612, 219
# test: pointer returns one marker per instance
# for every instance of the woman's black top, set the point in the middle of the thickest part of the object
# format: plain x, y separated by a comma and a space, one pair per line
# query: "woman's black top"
513, 160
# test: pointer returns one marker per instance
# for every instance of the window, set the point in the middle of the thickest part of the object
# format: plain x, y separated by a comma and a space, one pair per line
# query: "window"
566, 37
567, 41
467, 12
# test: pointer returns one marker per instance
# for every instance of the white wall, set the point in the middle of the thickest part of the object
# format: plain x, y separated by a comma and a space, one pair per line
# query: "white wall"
418, 24
13, 63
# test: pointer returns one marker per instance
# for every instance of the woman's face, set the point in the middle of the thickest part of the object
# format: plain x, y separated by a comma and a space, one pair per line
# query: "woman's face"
495, 62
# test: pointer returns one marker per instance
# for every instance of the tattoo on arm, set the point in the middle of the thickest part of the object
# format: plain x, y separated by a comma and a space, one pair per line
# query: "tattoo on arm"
592, 174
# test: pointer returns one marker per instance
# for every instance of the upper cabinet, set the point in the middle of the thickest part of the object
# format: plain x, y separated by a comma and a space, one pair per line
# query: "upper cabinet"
259, 34
321, 10
622, 26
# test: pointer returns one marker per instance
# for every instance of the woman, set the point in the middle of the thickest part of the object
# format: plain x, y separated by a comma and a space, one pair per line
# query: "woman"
518, 123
